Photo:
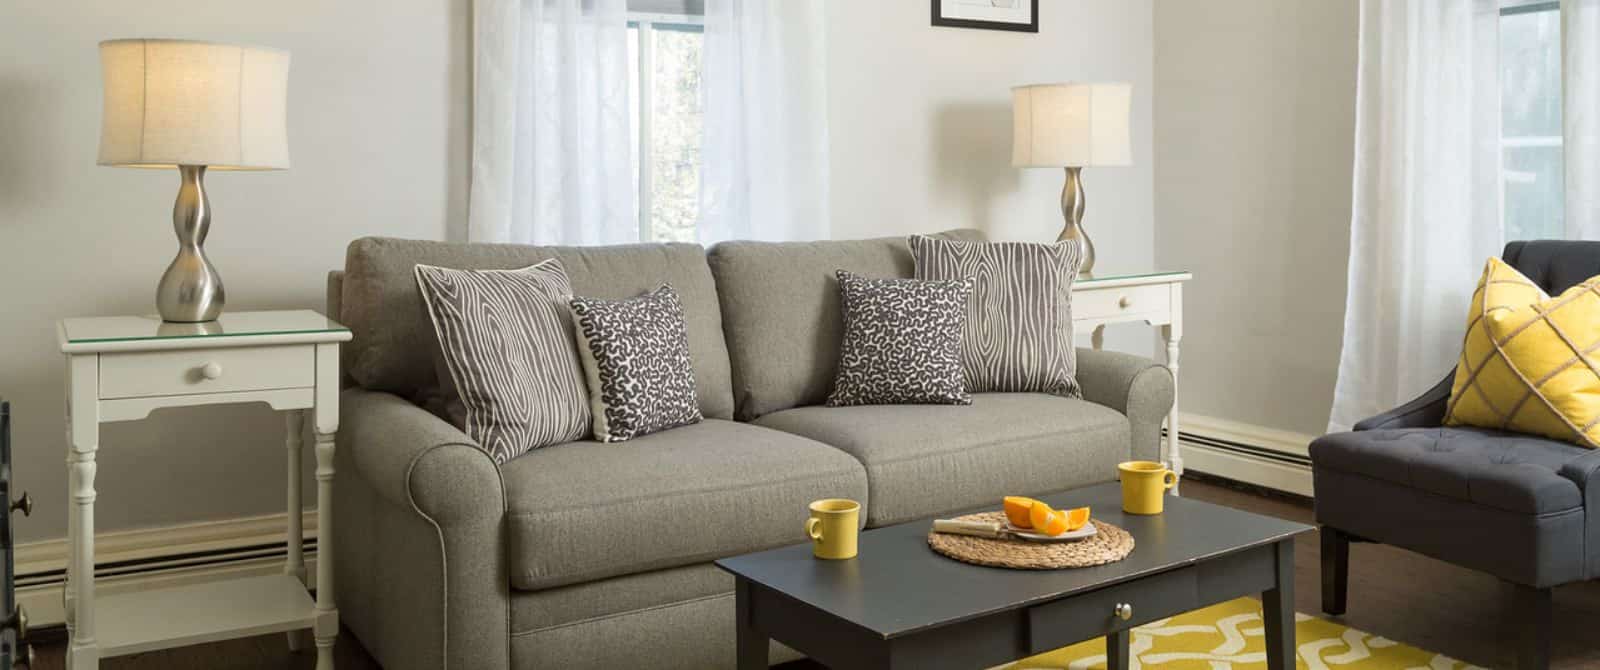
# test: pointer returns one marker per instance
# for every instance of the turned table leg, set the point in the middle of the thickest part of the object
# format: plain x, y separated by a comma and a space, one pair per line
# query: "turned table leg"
1173, 333
295, 565
83, 430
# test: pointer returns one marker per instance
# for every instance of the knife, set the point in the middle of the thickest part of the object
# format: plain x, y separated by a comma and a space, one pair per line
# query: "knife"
990, 530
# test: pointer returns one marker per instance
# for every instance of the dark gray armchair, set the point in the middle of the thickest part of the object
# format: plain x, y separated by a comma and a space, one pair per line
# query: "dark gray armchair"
1523, 508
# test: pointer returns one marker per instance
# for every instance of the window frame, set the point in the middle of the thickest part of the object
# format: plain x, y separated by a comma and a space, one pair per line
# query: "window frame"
647, 24
1509, 8
1529, 7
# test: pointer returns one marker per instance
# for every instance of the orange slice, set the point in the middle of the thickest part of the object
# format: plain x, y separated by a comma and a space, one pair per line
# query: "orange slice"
1076, 518
1046, 520
1017, 510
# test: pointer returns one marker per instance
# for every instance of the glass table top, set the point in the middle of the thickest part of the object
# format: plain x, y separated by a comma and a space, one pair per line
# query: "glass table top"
230, 324
1124, 273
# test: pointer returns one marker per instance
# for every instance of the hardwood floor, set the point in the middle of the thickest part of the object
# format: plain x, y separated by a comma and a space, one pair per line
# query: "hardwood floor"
1394, 593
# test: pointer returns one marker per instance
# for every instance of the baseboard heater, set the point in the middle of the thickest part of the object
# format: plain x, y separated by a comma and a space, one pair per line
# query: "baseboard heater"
1242, 449
216, 558
1254, 464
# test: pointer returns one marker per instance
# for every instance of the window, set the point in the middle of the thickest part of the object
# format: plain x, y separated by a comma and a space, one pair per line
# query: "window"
664, 88
1530, 118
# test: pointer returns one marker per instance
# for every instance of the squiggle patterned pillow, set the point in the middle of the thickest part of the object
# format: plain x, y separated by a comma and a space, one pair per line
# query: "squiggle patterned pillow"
902, 342
635, 354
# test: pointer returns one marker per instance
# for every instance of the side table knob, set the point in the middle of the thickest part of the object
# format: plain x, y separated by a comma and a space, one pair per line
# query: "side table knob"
1123, 611
211, 370
23, 504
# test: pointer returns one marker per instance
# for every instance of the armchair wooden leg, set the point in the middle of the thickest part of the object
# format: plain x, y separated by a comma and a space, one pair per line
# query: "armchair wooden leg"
1335, 569
1530, 616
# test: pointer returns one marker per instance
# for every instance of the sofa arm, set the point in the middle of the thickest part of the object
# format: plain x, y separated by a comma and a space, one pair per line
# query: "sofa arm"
1427, 411
424, 545
1140, 388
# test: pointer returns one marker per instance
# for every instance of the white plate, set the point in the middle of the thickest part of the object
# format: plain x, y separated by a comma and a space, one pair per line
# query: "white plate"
1088, 530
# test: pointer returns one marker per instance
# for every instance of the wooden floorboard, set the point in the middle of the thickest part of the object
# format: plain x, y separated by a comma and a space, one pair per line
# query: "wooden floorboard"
1393, 593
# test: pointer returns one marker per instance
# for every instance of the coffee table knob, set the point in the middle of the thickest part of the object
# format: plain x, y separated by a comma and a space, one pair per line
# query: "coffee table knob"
1123, 611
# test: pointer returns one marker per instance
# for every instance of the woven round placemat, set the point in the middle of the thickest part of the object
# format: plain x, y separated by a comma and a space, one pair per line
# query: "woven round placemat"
1108, 545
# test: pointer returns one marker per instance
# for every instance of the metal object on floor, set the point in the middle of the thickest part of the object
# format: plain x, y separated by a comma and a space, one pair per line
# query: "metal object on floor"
14, 650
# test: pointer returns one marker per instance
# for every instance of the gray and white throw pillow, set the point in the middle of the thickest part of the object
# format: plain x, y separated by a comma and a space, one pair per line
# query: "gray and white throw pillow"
1019, 322
508, 351
635, 355
902, 342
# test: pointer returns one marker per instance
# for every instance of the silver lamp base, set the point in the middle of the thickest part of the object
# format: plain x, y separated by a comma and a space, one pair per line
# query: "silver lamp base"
1072, 210
191, 290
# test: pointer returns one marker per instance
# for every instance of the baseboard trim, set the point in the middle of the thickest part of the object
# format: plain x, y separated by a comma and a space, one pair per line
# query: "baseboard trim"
152, 558
1268, 457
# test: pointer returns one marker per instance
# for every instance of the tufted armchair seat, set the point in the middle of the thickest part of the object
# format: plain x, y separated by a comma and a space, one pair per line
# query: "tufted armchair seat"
1521, 507
1502, 471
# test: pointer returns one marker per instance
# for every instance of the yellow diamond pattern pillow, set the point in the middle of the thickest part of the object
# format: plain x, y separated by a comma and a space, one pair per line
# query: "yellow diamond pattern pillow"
1530, 363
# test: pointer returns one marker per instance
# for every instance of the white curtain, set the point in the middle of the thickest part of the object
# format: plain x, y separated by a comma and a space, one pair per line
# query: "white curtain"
1427, 196
1581, 116
551, 152
764, 155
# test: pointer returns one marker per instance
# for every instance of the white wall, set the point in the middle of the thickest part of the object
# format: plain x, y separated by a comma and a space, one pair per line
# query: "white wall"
1254, 137
378, 140
920, 126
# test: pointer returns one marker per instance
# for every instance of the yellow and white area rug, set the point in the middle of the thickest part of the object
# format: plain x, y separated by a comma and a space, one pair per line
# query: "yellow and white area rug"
1231, 636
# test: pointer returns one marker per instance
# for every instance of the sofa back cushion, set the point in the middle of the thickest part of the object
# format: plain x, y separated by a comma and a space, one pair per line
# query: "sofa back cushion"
781, 313
393, 344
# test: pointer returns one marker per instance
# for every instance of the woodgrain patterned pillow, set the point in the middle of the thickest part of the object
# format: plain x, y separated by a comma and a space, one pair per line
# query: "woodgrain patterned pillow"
504, 339
1019, 321
635, 354
902, 342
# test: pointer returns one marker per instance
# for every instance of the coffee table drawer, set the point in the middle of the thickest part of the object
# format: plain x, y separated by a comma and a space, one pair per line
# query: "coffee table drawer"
1095, 614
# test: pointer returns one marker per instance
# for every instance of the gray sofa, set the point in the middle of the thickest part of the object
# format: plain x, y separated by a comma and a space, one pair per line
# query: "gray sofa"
598, 555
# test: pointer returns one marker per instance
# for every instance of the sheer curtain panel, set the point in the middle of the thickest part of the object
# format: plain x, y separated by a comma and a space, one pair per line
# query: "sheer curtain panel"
1426, 202
765, 150
1580, 66
551, 147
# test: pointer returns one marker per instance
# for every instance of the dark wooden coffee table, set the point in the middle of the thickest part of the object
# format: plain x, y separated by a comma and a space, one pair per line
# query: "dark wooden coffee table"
900, 605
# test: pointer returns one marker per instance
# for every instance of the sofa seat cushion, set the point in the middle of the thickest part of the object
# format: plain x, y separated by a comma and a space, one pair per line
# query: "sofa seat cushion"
588, 510
1506, 471
931, 459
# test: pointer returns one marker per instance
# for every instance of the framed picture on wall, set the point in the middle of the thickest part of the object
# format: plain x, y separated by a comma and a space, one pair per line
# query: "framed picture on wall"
1018, 15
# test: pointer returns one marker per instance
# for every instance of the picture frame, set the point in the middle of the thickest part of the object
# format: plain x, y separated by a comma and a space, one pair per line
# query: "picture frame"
1013, 15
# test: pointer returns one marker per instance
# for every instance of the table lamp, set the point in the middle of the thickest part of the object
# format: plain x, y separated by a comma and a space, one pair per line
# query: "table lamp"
1071, 126
192, 106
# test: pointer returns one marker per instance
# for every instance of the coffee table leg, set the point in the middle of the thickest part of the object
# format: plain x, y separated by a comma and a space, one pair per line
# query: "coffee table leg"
1118, 649
1277, 609
752, 644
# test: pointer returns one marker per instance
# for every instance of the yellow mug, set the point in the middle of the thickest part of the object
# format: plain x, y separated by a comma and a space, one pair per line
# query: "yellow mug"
833, 528
1145, 485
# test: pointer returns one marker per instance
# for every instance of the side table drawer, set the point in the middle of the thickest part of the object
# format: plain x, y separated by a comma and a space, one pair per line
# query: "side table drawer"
1105, 302
159, 373
1089, 615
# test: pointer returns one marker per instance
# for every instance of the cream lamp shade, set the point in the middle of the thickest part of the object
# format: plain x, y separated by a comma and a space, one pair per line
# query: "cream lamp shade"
1071, 125
178, 102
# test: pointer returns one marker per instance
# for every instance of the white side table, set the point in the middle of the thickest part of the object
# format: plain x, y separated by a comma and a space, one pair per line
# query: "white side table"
121, 368
1155, 298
